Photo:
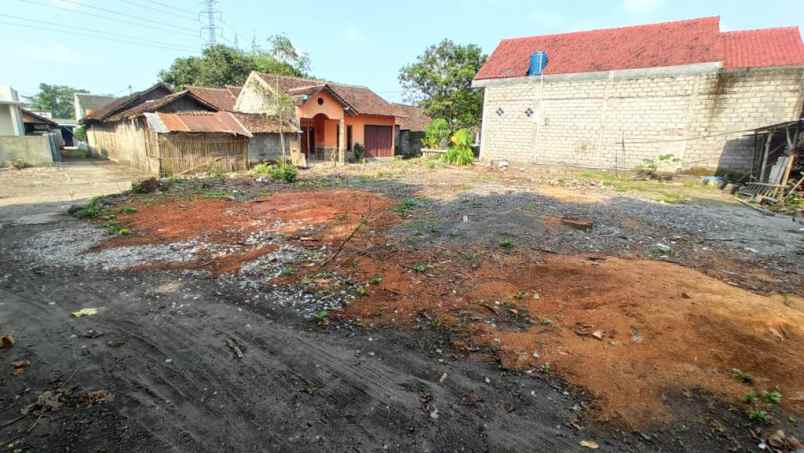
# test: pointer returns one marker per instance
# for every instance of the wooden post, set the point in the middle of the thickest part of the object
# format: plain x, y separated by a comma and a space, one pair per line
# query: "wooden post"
791, 154
765, 156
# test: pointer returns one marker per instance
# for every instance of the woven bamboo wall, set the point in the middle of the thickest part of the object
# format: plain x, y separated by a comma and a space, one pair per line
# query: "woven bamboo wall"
202, 152
127, 142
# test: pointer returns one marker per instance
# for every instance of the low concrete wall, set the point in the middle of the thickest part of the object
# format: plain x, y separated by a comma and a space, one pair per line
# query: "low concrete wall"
32, 149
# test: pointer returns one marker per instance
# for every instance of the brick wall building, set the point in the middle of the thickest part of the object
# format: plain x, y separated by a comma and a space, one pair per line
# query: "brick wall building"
674, 88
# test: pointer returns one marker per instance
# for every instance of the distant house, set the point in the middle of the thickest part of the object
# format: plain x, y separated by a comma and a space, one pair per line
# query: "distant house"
24, 135
84, 104
411, 125
36, 124
165, 133
333, 117
10, 113
265, 143
613, 98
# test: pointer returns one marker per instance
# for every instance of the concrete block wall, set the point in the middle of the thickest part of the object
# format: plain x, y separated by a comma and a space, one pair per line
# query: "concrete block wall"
581, 121
31, 149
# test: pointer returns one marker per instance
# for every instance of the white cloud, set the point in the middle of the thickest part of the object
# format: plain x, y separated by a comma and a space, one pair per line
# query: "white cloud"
642, 6
354, 34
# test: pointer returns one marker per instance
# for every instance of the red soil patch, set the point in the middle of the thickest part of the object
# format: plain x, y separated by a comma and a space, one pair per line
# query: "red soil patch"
314, 217
661, 327
334, 213
627, 331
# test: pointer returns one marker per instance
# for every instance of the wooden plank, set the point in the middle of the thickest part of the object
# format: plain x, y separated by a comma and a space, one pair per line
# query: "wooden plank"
765, 157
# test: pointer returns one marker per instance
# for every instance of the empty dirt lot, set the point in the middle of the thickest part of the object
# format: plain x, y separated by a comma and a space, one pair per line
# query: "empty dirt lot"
405, 306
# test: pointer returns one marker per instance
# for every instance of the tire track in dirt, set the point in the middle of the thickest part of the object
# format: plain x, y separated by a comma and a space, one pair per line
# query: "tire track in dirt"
290, 387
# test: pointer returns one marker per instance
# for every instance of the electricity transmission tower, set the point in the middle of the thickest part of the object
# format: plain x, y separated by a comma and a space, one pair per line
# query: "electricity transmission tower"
209, 17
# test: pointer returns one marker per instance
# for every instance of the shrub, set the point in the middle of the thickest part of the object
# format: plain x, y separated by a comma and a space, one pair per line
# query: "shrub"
359, 152
90, 210
282, 171
658, 168
436, 134
458, 156
261, 170
460, 153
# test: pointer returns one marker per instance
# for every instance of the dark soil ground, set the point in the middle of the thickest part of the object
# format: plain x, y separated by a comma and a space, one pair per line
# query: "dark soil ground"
184, 357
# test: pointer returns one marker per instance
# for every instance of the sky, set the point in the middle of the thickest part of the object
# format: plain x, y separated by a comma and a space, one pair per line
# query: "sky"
112, 46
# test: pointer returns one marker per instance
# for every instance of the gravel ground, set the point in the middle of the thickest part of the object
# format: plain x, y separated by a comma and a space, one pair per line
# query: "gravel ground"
71, 246
622, 226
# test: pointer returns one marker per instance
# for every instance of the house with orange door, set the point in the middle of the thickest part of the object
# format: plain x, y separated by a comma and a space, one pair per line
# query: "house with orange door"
333, 117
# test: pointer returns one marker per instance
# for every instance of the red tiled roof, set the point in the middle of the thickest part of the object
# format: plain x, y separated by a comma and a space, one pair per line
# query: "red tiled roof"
412, 118
234, 90
210, 122
762, 48
646, 46
361, 99
221, 98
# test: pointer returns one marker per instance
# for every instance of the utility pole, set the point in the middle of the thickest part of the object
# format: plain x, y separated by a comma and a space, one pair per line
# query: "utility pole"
209, 15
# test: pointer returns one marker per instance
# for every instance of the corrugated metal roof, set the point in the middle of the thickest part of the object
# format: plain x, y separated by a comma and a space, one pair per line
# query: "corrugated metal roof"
201, 122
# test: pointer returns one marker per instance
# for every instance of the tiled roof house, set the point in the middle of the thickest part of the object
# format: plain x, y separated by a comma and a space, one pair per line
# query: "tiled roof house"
683, 88
333, 116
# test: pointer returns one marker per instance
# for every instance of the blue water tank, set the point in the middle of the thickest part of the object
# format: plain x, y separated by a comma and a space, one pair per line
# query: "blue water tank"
538, 61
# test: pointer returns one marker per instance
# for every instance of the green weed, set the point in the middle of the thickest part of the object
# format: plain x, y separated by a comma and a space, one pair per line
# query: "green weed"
772, 397
405, 206
506, 244
90, 210
758, 416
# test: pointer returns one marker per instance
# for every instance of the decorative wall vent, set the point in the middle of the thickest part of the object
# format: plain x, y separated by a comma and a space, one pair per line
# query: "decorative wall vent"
500, 111
529, 112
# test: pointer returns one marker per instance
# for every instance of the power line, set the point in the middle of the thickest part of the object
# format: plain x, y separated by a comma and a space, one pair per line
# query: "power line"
177, 13
87, 13
54, 26
77, 3
187, 11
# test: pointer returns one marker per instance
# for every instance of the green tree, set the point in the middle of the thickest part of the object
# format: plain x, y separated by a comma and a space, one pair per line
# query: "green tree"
441, 82
222, 65
283, 51
56, 99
